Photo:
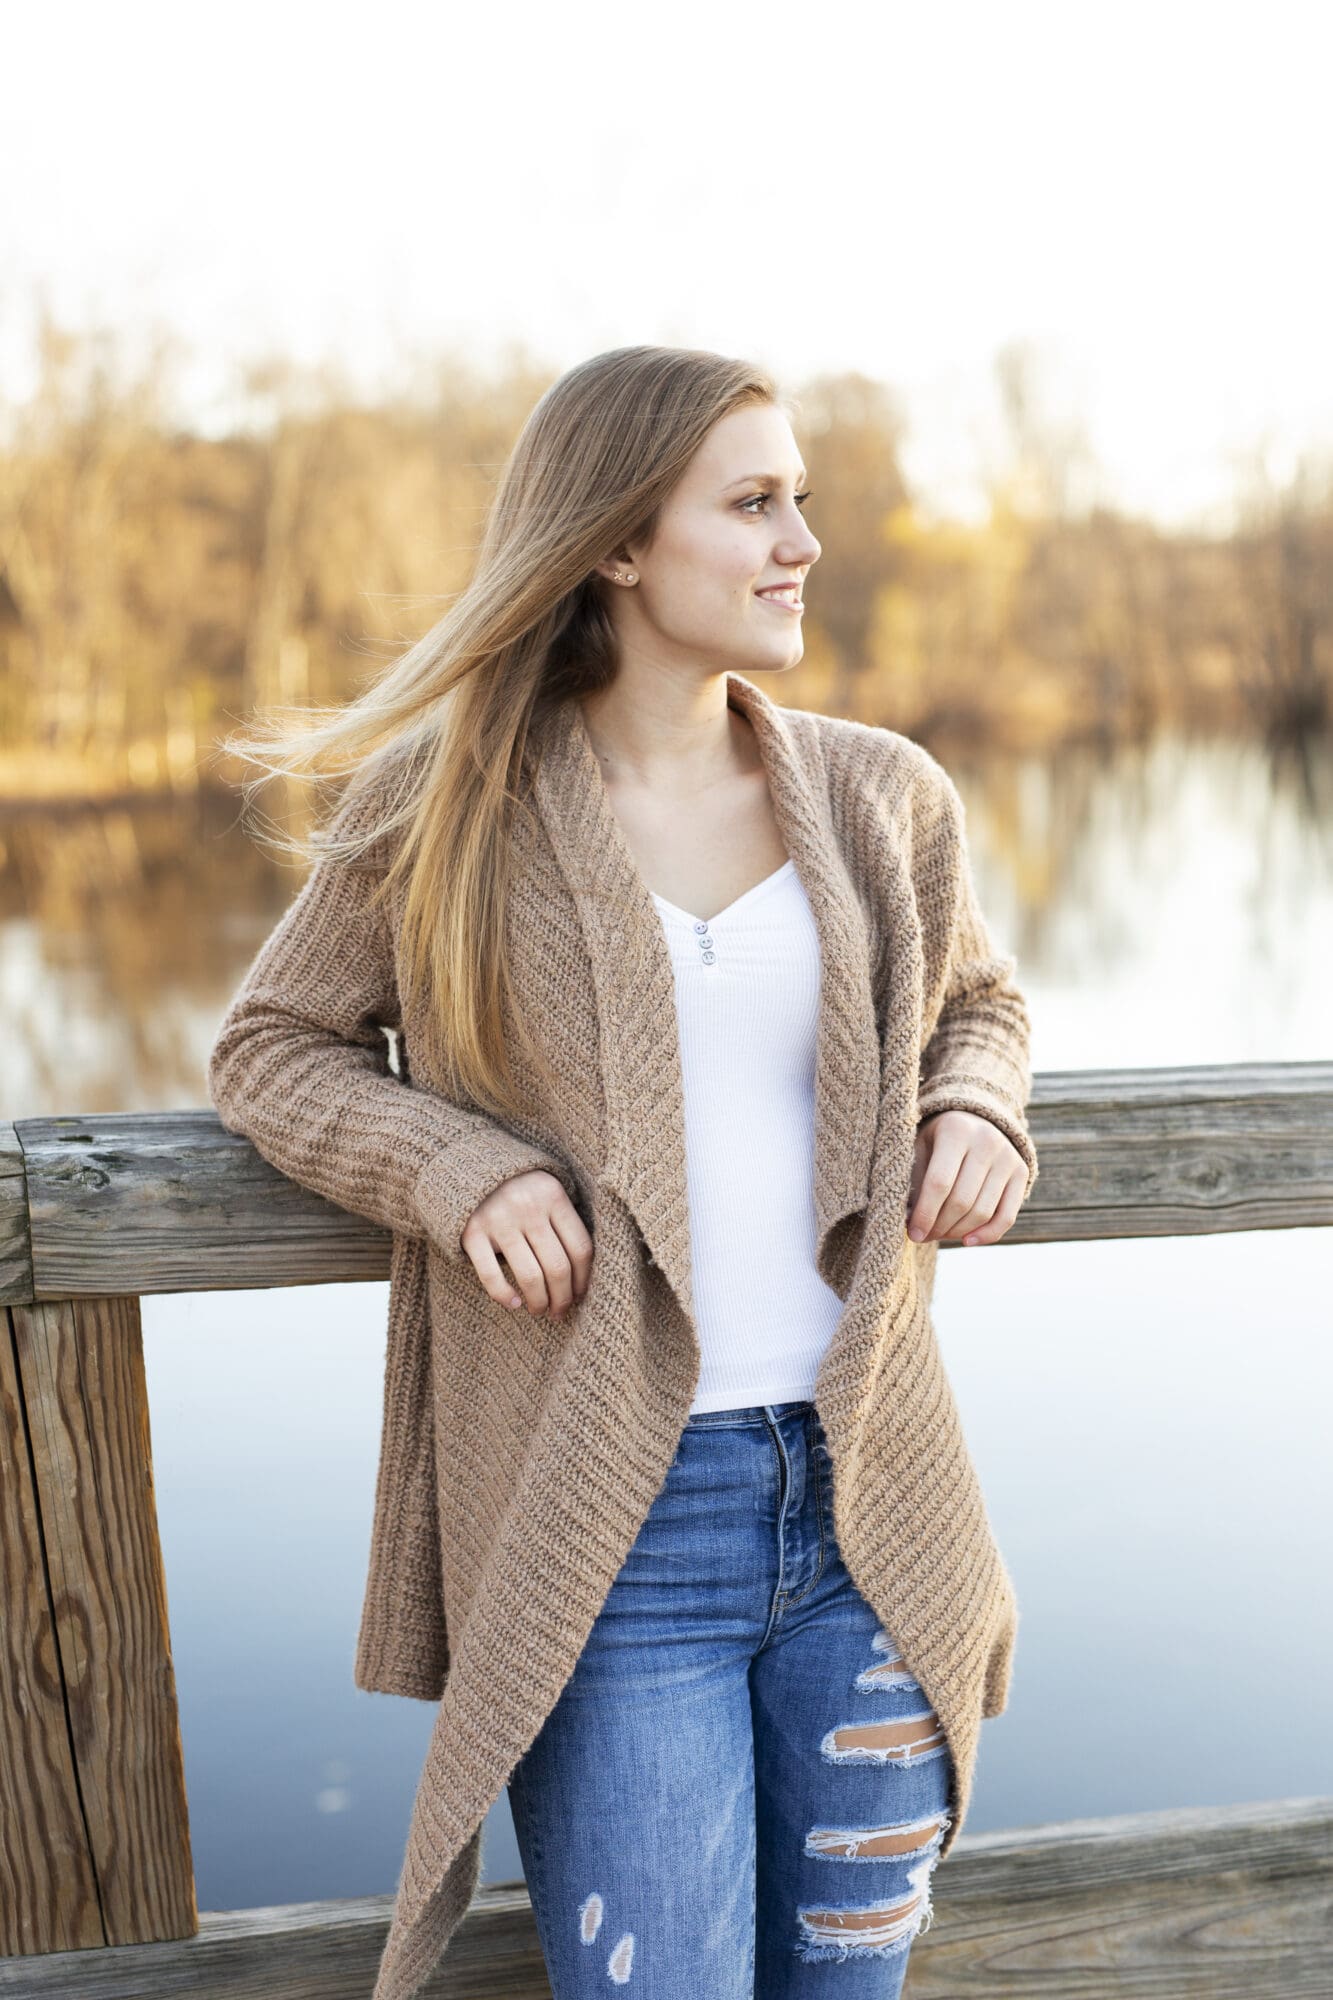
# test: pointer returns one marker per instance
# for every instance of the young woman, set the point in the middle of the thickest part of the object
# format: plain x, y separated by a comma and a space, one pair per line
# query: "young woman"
701, 1048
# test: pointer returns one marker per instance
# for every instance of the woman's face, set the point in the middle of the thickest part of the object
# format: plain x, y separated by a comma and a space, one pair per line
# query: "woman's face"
731, 529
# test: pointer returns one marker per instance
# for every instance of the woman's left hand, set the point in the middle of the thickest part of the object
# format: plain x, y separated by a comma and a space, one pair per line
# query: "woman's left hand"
967, 1180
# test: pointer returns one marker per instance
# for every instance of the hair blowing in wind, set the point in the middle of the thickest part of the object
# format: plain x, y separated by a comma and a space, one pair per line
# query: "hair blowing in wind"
441, 737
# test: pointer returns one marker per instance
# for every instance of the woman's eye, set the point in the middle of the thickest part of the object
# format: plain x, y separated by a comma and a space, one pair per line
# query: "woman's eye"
758, 498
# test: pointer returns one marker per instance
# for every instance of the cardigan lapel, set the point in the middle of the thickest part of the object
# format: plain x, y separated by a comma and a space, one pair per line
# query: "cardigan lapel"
634, 985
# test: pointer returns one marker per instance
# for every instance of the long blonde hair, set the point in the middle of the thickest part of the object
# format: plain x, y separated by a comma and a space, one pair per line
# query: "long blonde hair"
590, 470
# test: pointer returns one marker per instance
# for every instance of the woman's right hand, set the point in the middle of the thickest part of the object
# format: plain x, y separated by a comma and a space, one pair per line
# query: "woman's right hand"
530, 1221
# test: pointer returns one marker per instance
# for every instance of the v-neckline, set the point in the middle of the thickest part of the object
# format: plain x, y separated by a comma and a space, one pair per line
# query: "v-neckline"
629, 962
787, 867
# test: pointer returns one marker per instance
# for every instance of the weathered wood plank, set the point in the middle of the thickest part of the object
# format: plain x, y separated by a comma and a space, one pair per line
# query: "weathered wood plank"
1180, 1151
299, 1951
48, 1890
171, 1201
1198, 1903
81, 1373
1227, 1903
15, 1244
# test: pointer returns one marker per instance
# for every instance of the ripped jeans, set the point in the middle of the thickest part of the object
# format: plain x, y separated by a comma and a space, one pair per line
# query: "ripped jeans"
741, 1791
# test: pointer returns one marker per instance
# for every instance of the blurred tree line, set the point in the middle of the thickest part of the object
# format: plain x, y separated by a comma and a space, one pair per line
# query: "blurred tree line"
157, 583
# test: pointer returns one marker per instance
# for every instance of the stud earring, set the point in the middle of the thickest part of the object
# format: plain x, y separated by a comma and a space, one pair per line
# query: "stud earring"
631, 578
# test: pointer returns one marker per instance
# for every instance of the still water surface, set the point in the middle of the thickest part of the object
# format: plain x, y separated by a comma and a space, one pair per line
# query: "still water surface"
1150, 1420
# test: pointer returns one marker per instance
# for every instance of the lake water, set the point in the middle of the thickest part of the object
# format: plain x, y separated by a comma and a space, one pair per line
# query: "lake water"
1150, 1420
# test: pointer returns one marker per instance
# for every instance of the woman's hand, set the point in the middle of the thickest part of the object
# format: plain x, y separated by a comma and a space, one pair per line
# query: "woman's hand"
530, 1221
967, 1180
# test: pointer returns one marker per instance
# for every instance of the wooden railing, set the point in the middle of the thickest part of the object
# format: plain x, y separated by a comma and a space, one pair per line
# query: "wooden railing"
96, 1882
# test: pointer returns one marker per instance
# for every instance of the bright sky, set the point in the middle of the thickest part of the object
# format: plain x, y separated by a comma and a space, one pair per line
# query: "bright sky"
1140, 191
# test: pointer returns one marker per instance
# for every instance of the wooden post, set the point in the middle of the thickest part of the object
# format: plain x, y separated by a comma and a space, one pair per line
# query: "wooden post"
96, 1844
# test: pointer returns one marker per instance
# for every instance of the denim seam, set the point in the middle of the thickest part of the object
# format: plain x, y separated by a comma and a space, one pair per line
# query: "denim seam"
775, 1608
785, 1600
819, 1510
539, 1865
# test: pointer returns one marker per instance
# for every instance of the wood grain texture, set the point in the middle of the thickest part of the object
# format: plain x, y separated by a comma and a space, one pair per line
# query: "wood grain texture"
48, 1888
170, 1201
319, 1951
119, 1868
1197, 1903
1226, 1903
150, 1202
1180, 1151
15, 1244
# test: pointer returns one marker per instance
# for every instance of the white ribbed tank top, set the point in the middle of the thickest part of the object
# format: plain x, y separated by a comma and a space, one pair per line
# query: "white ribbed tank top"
747, 1007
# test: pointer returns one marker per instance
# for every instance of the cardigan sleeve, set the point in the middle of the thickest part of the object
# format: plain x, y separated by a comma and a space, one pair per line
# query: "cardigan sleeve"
300, 1067
977, 1056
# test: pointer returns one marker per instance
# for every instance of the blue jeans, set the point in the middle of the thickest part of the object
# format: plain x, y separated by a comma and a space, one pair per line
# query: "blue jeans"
741, 1790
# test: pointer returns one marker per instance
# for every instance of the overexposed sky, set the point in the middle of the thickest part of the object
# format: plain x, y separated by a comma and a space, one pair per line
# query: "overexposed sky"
1139, 191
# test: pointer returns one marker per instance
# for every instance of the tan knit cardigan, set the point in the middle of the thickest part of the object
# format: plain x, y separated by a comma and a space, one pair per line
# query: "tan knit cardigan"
519, 1456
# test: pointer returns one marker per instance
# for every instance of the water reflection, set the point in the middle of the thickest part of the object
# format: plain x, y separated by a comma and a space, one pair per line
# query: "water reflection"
1167, 903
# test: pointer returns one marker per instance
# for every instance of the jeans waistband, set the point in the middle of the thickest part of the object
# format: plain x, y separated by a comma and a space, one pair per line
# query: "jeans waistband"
748, 1413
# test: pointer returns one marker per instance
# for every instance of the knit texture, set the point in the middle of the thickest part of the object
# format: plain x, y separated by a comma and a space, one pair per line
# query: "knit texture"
519, 1457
